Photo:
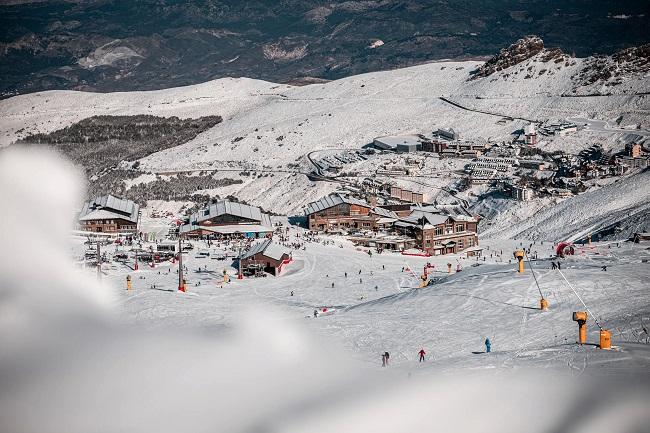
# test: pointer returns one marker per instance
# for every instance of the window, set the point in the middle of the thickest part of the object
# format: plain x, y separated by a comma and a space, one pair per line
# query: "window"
460, 228
461, 244
470, 242
439, 230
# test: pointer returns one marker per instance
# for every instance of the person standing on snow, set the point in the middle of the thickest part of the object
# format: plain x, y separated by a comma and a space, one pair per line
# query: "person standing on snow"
383, 359
488, 345
422, 353
387, 356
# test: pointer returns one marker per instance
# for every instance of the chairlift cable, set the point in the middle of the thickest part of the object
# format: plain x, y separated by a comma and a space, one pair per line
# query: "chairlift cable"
583, 302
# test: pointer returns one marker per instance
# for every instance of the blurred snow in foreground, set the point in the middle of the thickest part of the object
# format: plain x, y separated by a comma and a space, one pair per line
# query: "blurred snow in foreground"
68, 365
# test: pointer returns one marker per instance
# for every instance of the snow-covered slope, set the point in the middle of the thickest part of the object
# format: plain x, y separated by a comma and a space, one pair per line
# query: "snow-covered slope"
625, 203
272, 125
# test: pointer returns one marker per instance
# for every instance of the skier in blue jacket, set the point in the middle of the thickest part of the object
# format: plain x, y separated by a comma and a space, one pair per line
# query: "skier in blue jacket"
487, 345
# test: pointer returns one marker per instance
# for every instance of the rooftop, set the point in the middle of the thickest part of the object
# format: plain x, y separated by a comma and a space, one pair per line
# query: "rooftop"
268, 248
331, 201
107, 207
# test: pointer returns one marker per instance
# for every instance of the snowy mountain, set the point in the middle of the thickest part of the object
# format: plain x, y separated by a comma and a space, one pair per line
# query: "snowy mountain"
272, 128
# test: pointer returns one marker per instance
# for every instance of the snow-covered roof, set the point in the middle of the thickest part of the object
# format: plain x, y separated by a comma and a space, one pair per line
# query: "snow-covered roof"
331, 201
391, 141
225, 207
227, 229
385, 213
109, 207
268, 248
429, 218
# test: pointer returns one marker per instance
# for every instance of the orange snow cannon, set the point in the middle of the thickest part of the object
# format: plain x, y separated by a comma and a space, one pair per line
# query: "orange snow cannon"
519, 255
605, 339
128, 282
543, 304
581, 318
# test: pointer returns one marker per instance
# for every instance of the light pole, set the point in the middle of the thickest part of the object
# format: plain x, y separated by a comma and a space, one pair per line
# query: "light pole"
181, 285
99, 262
240, 276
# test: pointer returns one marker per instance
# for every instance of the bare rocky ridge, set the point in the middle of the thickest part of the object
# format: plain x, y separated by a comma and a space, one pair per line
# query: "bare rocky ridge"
516, 53
612, 70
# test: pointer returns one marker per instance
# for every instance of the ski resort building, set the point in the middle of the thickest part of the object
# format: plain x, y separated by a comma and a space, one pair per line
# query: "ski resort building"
406, 195
226, 219
400, 143
265, 256
109, 214
530, 134
339, 212
439, 233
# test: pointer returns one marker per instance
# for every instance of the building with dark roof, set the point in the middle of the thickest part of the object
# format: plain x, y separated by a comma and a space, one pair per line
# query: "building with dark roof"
440, 233
339, 212
226, 219
267, 256
109, 214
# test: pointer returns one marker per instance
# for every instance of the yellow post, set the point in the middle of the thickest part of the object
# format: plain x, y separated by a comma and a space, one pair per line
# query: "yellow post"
225, 276
581, 318
543, 304
605, 339
449, 268
128, 282
519, 255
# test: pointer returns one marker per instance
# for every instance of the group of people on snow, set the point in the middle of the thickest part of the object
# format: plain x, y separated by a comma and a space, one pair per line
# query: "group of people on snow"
385, 356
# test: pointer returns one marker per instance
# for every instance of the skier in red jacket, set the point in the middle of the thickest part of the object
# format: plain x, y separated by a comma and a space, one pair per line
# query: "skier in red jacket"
422, 353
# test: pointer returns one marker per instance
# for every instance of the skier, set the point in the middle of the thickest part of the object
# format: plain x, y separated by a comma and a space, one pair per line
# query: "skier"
359, 271
383, 360
360, 281
553, 265
422, 353
386, 355
332, 285
383, 267
315, 313
605, 268
292, 293
488, 344
346, 275
559, 266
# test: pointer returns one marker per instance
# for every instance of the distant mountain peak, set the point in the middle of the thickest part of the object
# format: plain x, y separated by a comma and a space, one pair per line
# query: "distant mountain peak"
520, 51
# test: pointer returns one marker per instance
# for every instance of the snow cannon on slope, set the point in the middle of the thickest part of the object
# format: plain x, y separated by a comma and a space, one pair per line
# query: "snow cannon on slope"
564, 249
519, 255
581, 318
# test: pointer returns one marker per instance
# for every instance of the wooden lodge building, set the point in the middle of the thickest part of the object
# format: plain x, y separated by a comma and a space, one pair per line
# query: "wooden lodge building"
265, 256
226, 219
339, 212
109, 214
439, 233
433, 230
